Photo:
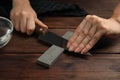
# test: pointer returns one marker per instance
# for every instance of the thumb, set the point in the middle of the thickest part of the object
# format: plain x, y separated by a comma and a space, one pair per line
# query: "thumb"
40, 24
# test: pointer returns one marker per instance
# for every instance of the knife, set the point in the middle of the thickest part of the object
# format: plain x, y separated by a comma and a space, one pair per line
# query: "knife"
51, 38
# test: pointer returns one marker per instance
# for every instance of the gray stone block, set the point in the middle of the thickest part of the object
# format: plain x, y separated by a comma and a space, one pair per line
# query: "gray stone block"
52, 54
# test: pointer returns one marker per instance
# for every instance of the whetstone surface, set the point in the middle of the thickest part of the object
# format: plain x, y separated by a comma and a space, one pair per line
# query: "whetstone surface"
53, 53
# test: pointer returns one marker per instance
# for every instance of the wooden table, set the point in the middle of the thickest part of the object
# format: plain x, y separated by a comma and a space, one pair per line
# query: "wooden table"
18, 58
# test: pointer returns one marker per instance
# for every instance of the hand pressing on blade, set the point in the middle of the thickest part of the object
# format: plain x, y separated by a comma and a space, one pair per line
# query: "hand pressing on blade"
24, 17
91, 29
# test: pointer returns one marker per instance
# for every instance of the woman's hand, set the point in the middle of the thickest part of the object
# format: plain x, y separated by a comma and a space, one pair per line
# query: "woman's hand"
90, 31
24, 17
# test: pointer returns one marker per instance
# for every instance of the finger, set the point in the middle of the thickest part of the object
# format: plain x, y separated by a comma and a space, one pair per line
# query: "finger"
13, 21
81, 26
30, 25
88, 25
93, 41
87, 39
41, 24
76, 33
17, 24
92, 32
23, 24
82, 44
84, 32
76, 42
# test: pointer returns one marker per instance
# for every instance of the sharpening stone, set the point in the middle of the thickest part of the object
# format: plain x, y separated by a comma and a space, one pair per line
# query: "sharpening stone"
53, 53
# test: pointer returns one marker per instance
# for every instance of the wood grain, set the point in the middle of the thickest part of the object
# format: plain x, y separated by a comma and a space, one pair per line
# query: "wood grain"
18, 58
23, 67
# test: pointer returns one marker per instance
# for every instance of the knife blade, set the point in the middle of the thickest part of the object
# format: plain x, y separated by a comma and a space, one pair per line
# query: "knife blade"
53, 39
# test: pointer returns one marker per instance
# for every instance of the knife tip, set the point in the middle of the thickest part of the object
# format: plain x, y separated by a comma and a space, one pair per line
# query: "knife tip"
88, 54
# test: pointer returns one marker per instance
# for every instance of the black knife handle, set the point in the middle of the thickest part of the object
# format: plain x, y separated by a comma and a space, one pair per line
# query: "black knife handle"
40, 30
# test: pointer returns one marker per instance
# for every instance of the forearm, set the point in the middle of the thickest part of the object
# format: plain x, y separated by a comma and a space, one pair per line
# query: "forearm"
20, 2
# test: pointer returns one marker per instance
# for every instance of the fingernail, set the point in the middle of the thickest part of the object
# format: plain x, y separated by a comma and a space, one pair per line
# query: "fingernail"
68, 45
71, 48
77, 50
82, 52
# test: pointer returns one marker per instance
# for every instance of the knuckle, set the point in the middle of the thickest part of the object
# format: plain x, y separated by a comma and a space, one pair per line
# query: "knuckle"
97, 20
23, 13
75, 44
81, 45
84, 42
77, 32
84, 33
30, 29
30, 14
88, 46
88, 16
16, 14
94, 16
87, 39
71, 40
78, 40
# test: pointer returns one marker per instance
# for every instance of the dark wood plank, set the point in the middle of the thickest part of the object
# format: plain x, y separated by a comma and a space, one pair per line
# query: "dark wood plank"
24, 67
63, 22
